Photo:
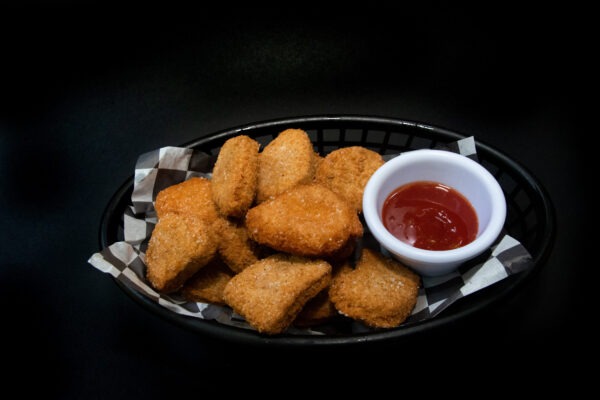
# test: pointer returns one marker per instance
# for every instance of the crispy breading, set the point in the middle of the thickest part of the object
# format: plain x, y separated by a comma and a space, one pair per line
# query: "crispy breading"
270, 293
206, 285
236, 249
307, 220
345, 252
347, 170
317, 310
380, 291
320, 309
287, 161
193, 196
235, 176
180, 245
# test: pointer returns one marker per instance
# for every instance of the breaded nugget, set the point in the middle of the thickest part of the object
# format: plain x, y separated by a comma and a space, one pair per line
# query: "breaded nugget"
206, 285
270, 293
308, 220
180, 245
193, 196
347, 170
344, 253
317, 310
236, 249
320, 309
235, 176
380, 292
287, 161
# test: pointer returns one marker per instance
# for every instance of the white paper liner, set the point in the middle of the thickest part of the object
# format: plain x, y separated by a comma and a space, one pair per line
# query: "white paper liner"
166, 166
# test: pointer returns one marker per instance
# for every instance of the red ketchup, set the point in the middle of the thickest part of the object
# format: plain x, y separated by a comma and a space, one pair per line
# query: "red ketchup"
430, 215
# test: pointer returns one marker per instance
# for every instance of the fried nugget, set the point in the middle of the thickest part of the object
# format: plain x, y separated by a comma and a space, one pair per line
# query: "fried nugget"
179, 246
380, 292
308, 220
235, 176
347, 170
270, 293
193, 196
206, 285
287, 161
320, 309
236, 248
316, 311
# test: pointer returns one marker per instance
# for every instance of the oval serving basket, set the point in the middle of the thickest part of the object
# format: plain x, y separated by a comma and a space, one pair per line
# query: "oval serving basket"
530, 214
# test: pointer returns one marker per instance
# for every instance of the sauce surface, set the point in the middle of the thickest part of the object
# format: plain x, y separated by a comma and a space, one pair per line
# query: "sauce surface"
430, 216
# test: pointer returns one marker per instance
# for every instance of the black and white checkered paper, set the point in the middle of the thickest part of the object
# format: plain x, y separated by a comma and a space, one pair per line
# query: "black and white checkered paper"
166, 166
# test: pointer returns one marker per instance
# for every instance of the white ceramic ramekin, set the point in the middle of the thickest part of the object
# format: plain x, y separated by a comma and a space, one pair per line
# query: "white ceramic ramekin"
467, 176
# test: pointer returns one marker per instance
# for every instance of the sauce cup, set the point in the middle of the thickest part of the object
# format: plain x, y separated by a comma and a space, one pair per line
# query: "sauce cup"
461, 173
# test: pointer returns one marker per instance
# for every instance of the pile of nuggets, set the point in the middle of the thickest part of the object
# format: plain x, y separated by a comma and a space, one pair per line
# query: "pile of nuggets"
273, 233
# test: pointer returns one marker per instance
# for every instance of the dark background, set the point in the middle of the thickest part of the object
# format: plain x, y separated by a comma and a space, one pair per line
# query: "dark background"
85, 89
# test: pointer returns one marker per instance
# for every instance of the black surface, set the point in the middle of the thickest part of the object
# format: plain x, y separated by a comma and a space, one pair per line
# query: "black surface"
86, 89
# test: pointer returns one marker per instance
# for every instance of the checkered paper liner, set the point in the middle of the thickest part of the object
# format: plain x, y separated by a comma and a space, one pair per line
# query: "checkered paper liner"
156, 170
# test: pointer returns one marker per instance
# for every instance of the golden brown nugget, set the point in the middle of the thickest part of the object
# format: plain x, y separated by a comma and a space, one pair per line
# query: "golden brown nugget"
320, 309
180, 245
270, 293
308, 220
236, 248
235, 176
380, 292
287, 161
193, 196
344, 253
206, 285
316, 311
347, 170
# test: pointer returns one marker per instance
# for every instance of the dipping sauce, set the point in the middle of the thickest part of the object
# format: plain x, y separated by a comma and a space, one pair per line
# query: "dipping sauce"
430, 216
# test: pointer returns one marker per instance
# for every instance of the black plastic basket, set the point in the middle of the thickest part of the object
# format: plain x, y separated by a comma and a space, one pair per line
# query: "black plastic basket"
530, 214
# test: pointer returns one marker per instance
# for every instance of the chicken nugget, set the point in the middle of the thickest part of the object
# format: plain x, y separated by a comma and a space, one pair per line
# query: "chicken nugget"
179, 246
308, 220
206, 285
236, 249
317, 310
287, 161
270, 293
344, 253
235, 176
380, 292
347, 170
193, 196
320, 309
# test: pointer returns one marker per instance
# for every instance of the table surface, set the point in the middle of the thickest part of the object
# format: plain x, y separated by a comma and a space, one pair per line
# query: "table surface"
85, 90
